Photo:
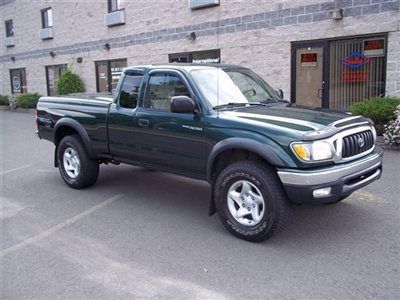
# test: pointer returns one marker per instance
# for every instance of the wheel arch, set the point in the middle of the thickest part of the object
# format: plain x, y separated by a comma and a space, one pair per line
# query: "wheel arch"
68, 126
253, 147
234, 149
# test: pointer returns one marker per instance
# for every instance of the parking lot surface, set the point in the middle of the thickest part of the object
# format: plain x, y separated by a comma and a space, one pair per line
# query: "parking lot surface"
143, 234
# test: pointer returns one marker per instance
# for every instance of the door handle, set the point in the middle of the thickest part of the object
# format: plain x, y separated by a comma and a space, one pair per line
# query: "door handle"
143, 122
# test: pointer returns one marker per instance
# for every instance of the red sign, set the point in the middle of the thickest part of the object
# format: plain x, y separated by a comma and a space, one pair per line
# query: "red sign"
374, 47
355, 76
308, 60
373, 44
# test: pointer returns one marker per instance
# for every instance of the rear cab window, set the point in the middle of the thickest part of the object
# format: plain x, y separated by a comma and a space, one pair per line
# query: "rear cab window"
130, 89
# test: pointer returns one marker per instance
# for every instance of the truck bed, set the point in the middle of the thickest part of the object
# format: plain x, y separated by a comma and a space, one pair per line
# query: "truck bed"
90, 110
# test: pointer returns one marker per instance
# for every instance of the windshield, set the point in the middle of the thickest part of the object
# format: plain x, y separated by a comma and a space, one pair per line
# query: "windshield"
223, 87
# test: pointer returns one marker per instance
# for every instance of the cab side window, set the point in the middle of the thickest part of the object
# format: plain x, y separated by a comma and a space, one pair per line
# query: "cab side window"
161, 88
130, 89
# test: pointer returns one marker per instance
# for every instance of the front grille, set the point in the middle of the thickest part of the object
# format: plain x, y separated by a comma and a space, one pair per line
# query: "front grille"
357, 143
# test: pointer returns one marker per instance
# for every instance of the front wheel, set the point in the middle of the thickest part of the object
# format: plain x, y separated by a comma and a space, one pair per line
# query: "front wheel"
250, 201
76, 167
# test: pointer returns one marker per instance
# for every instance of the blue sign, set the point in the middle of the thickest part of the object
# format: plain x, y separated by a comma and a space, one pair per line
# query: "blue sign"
355, 60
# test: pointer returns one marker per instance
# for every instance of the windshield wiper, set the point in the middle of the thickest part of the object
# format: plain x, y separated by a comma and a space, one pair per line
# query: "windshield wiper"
233, 104
275, 100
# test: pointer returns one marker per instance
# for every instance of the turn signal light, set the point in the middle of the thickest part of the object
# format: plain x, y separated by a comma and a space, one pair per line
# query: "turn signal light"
302, 151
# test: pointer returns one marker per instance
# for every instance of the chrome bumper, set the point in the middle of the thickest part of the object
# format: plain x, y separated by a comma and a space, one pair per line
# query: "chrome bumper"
326, 175
341, 180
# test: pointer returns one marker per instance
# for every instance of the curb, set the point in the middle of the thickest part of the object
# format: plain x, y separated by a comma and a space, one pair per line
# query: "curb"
20, 110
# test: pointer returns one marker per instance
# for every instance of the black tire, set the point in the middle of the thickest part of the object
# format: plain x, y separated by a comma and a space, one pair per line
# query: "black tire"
89, 168
277, 208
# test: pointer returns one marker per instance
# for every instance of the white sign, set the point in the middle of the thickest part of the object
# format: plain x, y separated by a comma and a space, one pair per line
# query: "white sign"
16, 83
206, 60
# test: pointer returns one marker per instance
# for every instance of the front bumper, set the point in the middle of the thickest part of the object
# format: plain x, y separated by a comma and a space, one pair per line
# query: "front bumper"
343, 179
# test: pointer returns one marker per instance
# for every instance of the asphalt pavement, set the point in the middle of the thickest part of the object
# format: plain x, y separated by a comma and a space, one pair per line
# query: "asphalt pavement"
142, 234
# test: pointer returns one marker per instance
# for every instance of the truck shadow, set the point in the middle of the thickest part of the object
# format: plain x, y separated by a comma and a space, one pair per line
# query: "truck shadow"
175, 196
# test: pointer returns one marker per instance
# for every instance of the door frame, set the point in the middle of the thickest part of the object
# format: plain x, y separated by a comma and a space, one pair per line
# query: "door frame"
324, 44
109, 79
47, 68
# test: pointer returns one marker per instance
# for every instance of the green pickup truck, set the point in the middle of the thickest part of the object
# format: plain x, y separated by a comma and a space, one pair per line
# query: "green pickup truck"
219, 123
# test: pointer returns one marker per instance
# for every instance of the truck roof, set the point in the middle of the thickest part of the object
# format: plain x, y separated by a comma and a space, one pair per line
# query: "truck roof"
184, 66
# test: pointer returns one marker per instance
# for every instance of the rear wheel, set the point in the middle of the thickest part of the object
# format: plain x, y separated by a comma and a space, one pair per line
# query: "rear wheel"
250, 201
76, 167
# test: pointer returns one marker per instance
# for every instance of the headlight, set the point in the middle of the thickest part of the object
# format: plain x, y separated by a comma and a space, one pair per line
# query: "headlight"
314, 151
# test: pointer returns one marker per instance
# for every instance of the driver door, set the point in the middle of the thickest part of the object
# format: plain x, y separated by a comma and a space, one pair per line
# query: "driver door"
167, 140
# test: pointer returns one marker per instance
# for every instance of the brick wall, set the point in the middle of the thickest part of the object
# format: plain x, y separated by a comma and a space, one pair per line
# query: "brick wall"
254, 33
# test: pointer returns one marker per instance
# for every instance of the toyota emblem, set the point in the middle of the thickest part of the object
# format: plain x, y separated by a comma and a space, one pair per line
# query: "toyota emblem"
361, 142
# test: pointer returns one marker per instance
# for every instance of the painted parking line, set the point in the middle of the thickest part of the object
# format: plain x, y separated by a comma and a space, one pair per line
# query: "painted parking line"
15, 169
58, 227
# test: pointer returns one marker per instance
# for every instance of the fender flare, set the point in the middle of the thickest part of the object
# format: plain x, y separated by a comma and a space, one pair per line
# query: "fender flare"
260, 149
79, 129
243, 144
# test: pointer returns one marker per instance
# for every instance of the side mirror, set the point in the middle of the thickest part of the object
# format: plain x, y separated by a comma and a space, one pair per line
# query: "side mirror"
183, 104
280, 93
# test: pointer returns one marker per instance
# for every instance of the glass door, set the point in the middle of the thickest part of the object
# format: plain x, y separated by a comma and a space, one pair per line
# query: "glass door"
102, 76
108, 73
18, 81
53, 73
309, 74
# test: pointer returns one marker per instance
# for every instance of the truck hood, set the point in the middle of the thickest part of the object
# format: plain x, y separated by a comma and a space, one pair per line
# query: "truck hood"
309, 122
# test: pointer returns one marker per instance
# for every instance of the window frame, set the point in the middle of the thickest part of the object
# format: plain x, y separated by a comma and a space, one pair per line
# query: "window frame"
45, 17
109, 6
122, 80
47, 75
189, 55
6, 27
170, 72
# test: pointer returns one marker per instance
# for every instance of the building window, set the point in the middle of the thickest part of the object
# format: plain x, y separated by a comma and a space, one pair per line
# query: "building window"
47, 17
53, 73
9, 28
208, 56
18, 81
114, 5
108, 73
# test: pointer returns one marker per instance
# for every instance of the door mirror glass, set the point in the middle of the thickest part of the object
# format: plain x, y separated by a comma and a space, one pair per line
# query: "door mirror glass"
280, 93
182, 104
